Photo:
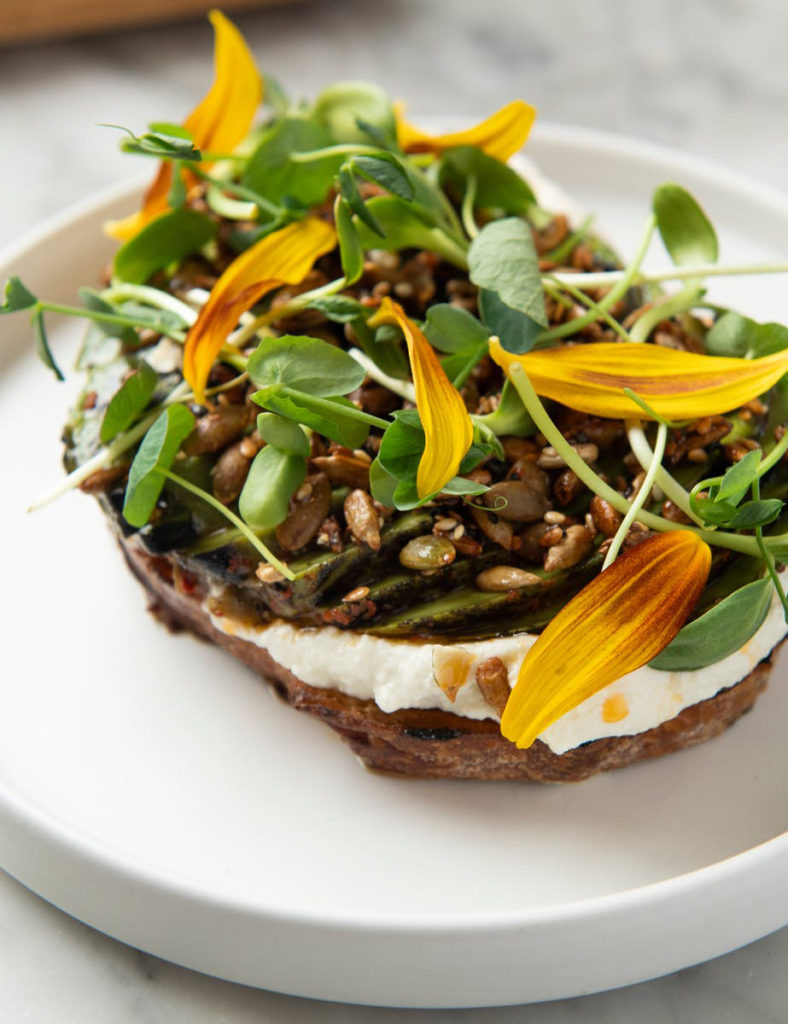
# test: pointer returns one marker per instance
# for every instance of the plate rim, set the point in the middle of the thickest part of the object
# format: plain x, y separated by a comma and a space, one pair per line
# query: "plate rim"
45, 827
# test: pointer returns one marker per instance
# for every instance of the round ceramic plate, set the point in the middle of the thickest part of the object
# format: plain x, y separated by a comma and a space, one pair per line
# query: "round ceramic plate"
154, 788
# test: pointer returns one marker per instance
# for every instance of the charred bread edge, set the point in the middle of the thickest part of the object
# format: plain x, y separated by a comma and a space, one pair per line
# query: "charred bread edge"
438, 744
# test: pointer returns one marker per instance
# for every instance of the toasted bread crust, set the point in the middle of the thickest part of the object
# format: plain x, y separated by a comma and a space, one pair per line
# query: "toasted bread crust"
438, 744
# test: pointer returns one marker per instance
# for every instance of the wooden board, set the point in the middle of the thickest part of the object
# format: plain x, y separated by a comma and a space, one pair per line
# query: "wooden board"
39, 19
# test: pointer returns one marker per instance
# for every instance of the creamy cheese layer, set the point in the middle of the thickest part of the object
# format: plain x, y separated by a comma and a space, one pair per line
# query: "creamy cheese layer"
400, 674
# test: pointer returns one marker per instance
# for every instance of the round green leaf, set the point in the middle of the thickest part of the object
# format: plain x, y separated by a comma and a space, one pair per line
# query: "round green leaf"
305, 364
723, 629
687, 232
341, 106
274, 477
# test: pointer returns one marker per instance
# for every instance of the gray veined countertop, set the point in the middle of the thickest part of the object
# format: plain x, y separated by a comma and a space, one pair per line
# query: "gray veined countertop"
709, 77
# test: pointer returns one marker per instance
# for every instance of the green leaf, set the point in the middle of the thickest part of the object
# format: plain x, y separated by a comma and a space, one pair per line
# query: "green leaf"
384, 347
157, 451
340, 309
167, 239
171, 130
451, 329
17, 296
305, 364
43, 351
274, 476
271, 172
503, 259
739, 478
713, 512
382, 485
685, 229
510, 418
756, 513
739, 336
405, 226
171, 142
402, 446
93, 302
498, 187
178, 193
335, 417
517, 331
351, 251
721, 631
456, 331
128, 402
385, 170
283, 434
459, 365
339, 108
348, 190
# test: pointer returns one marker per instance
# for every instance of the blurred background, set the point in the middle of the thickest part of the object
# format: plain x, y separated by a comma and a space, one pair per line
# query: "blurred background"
708, 76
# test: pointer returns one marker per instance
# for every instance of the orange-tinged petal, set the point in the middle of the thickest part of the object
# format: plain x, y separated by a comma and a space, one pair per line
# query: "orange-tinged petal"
219, 122
283, 257
224, 116
448, 430
500, 135
676, 384
616, 624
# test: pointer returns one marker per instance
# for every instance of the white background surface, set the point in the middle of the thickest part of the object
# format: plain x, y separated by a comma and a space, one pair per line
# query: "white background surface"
708, 77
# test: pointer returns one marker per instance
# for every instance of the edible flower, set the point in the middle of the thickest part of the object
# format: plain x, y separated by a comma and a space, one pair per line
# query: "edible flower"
616, 624
448, 430
219, 122
283, 257
675, 384
501, 135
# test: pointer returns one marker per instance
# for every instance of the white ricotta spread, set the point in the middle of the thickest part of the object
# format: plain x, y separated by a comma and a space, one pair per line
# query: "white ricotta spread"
399, 674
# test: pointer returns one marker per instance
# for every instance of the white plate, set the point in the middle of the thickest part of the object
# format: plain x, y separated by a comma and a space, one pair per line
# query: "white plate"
152, 787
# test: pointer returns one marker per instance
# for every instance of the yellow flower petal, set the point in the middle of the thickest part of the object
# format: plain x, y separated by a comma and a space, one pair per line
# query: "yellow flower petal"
500, 135
219, 122
676, 384
224, 116
448, 430
283, 257
620, 621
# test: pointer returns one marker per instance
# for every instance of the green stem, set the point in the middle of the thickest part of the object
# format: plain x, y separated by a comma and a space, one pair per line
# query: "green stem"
230, 209
300, 302
114, 319
641, 449
330, 408
640, 498
562, 251
622, 285
766, 555
241, 190
605, 278
341, 150
237, 522
593, 482
403, 388
468, 221
678, 303
595, 307
118, 291
774, 455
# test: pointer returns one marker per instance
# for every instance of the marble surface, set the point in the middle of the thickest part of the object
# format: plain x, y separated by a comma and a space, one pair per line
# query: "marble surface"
708, 77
